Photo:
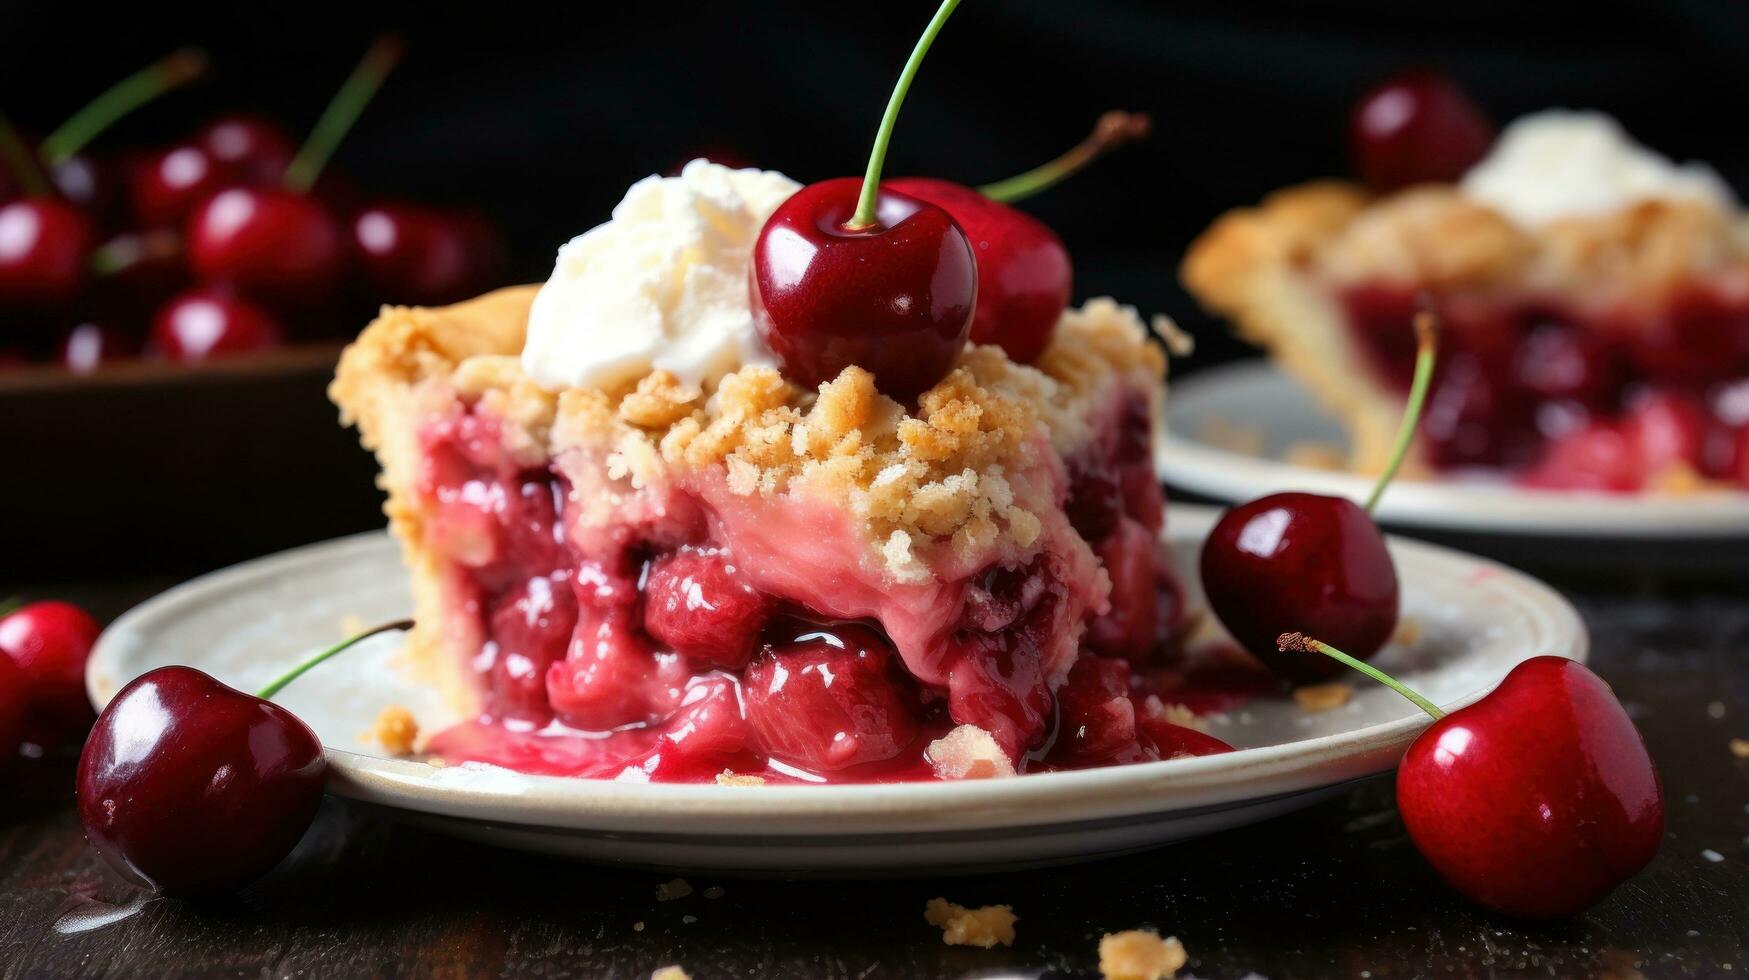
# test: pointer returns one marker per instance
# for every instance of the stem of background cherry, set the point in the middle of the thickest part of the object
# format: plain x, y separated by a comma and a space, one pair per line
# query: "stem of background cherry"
1300, 643
293, 674
871, 180
342, 112
174, 70
1426, 343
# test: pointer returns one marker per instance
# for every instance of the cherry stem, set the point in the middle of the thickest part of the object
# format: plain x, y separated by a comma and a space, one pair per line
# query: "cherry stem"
871, 181
174, 70
125, 251
22, 163
1113, 130
1301, 643
1426, 344
342, 112
270, 690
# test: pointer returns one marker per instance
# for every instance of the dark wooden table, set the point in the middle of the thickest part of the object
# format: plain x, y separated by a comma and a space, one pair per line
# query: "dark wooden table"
1333, 891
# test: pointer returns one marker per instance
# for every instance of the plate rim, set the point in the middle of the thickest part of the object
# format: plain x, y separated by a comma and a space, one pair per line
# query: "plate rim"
890, 809
1184, 461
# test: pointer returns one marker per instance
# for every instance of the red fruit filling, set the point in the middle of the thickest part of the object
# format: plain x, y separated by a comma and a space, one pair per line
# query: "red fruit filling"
651, 650
1571, 399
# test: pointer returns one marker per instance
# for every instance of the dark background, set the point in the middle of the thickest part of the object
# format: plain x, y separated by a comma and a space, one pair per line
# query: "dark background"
541, 115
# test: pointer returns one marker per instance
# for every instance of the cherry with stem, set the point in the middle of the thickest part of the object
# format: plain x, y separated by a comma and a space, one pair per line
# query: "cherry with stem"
1302, 561
196, 789
1535, 800
848, 273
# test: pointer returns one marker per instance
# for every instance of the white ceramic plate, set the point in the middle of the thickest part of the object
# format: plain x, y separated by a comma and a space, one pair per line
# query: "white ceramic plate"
1252, 396
245, 624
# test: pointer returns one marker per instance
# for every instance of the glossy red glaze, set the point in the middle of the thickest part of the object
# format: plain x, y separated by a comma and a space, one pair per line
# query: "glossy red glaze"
49, 642
416, 254
895, 299
206, 322
1024, 273
44, 247
1301, 562
268, 242
1538, 799
194, 788
1416, 127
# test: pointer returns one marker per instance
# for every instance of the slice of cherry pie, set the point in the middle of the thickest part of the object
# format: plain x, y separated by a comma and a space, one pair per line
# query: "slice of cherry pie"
736, 577
1594, 300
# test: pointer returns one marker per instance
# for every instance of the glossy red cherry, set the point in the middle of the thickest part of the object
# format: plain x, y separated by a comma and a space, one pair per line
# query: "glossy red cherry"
207, 322
194, 788
416, 254
49, 642
44, 247
267, 242
169, 184
895, 298
701, 606
1538, 799
91, 345
246, 149
1024, 274
1416, 127
14, 705
828, 700
1307, 559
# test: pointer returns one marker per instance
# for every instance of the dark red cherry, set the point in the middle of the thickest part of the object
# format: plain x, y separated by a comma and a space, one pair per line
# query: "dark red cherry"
1538, 799
49, 643
44, 247
209, 322
14, 705
1416, 127
895, 298
91, 345
1301, 562
246, 149
701, 606
828, 700
416, 254
196, 789
1024, 274
267, 242
166, 186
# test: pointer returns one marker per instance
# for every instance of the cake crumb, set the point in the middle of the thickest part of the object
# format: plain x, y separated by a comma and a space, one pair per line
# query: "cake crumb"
638, 926
668, 891
670, 973
436, 761
395, 730
1740, 747
1173, 714
968, 752
688, 919
1316, 456
1408, 633
729, 777
981, 927
1140, 954
714, 891
1318, 698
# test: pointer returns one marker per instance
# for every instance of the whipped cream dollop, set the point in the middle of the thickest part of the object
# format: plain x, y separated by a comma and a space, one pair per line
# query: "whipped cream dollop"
1561, 163
662, 285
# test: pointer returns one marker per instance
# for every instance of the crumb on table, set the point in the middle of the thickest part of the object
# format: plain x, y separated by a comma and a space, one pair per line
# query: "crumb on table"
1408, 633
1317, 698
395, 730
668, 891
670, 973
982, 927
1140, 954
1740, 747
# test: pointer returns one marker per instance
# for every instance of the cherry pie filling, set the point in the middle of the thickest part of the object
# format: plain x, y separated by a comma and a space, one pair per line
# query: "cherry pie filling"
1570, 399
647, 651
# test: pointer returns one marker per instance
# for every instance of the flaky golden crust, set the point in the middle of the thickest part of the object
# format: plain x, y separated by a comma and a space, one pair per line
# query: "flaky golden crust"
1274, 270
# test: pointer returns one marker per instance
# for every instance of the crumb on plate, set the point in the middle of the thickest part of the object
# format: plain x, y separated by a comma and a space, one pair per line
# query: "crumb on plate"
982, 927
395, 730
968, 752
728, 777
1317, 698
1140, 954
668, 891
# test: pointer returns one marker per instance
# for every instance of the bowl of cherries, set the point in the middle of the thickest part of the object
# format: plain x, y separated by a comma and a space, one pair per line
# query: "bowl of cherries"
189, 300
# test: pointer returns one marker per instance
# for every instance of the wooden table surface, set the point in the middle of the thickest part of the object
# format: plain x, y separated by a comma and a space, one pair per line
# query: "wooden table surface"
1332, 891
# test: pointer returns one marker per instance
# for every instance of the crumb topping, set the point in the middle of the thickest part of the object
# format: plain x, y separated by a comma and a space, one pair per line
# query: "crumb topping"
1140, 954
1318, 698
953, 470
968, 752
982, 927
395, 730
